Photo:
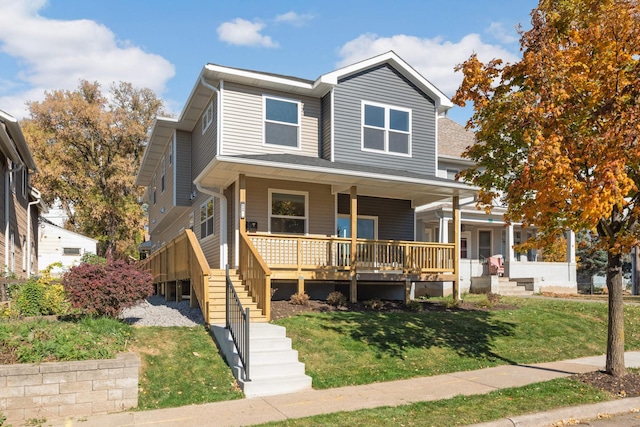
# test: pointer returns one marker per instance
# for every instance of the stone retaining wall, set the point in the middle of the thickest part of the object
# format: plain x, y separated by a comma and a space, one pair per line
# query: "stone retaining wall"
69, 389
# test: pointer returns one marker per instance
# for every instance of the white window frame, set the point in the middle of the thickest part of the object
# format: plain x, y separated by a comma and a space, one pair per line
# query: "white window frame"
207, 117
265, 121
154, 197
386, 128
25, 182
170, 153
213, 217
12, 178
71, 254
466, 235
163, 173
292, 192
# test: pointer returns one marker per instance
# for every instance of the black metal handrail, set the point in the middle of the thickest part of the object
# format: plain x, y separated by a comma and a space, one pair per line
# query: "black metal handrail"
238, 325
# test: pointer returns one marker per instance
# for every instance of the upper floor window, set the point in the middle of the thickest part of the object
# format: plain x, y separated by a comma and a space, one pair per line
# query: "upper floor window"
207, 117
12, 178
153, 190
170, 153
163, 170
386, 129
206, 219
281, 122
25, 182
288, 213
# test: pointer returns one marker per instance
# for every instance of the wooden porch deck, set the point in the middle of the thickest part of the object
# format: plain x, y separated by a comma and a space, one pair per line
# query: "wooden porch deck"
264, 258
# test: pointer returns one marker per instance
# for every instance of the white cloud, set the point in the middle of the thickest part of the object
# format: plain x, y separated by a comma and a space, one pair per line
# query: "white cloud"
293, 18
244, 33
55, 54
434, 58
497, 30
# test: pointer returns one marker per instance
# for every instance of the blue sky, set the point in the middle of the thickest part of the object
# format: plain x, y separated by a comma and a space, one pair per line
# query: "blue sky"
163, 44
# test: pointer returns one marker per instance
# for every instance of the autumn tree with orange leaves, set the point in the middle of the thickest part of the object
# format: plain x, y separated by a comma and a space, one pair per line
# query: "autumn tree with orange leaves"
559, 132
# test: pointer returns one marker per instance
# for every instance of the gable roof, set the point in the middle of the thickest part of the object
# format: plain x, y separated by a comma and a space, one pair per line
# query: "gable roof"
12, 142
453, 138
212, 74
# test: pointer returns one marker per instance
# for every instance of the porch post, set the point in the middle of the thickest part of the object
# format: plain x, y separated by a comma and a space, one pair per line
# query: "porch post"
510, 255
456, 247
444, 230
571, 247
243, 203
353, 216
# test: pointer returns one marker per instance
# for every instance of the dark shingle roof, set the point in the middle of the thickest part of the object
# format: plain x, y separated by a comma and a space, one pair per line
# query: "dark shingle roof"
453, 138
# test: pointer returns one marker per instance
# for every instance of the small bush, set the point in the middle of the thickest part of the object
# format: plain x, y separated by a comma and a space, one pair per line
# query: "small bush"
451, 303
91, 258
337, 299
414, 305
104, 290
299, 299
374, 304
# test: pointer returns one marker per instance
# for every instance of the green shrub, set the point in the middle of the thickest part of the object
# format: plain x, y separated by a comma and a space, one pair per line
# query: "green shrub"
337, 299
91, 258
299, 299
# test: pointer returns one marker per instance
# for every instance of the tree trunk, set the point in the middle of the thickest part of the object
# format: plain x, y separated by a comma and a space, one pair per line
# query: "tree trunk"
615, 339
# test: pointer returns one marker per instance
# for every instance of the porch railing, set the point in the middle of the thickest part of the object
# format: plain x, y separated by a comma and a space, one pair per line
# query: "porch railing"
311, 253
182, 259
256, 275
237, 322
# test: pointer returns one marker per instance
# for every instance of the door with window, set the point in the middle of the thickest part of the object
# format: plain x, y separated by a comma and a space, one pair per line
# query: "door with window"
367, 229
484, 244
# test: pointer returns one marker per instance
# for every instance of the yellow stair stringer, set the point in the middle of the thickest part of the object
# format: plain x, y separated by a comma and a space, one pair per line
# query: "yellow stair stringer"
217, 301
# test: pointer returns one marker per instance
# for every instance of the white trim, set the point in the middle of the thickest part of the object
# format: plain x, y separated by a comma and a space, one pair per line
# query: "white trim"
293, 192
236, 231
163, 174
386, 129
220, 96
207, 117
333, 125
213, 217
339, 172
173, 149
466, 235
298, 125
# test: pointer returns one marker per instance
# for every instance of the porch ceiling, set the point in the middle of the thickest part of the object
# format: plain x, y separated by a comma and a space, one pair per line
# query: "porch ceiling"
375, 182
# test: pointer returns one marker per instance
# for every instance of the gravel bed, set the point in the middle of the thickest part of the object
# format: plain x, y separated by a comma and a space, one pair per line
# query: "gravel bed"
155, 311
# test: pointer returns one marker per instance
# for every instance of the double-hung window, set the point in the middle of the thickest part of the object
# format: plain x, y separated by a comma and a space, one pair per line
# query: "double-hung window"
153, 190
386, 129
288, 211
207, 117
163, 169
281, 122
206, 219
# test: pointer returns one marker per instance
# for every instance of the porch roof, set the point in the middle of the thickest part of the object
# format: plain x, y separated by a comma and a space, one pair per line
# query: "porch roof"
370, 181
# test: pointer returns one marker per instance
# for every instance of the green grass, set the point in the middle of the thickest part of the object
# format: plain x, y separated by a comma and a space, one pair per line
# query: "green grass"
181, 366
42, 340
464, 410
350, 348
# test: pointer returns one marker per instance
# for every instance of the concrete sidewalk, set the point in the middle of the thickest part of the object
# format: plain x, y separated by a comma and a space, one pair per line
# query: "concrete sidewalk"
247, 412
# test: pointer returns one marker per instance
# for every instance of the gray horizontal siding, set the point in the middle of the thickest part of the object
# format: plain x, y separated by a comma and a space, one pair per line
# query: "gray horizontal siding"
243, 122
182, 168
383, 85
325, 139
395, 217
203, 147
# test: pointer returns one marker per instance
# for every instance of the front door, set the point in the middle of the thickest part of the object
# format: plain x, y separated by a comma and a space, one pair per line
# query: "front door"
367, 229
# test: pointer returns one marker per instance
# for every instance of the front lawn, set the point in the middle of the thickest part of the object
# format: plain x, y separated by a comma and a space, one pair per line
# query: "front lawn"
358, 347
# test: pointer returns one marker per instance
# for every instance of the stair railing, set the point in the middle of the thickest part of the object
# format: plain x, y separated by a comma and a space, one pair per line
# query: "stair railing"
237, 322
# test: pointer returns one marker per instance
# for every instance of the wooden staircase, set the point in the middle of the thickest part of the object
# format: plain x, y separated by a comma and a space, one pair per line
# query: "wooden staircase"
217, 307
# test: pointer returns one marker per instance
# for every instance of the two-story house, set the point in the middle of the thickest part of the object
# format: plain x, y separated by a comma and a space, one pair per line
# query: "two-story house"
20, 204
300, 185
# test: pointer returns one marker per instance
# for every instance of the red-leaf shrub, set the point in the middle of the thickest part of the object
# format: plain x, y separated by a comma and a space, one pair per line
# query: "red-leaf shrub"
104, 290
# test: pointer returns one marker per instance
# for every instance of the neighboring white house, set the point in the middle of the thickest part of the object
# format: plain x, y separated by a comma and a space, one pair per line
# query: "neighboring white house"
60, 245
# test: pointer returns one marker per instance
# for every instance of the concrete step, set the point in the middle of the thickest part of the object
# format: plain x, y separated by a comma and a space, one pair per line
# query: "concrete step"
272, 387
275, 368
